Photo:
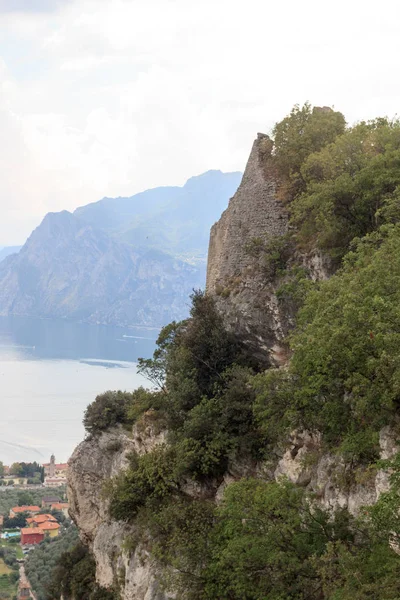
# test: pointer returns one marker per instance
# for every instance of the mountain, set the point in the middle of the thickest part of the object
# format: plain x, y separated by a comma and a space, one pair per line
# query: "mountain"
7, 250
98, 265
69, 269
172, 219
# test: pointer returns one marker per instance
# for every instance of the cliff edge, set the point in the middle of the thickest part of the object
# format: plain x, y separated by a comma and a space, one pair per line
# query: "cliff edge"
245, 297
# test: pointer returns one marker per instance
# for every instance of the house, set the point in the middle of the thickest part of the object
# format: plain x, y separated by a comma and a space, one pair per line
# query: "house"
32, 510
49, 528
62, 507
40, 519
53, 482
47, 501
30, 536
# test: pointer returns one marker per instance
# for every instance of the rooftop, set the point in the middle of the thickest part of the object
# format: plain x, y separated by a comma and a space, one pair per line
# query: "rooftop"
46, 526
31, 531
43, 519
20, 509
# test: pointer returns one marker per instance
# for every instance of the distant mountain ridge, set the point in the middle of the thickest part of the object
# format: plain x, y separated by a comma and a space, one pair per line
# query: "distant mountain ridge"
127, 261
7, 250
172, 219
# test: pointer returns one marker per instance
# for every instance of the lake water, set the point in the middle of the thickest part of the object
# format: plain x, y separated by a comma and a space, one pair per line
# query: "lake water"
50, 371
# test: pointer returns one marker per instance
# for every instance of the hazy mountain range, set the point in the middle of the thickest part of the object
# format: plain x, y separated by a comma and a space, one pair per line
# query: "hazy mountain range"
7, 250
124, 261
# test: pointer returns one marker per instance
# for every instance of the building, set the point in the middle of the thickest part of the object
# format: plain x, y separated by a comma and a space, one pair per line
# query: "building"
17, 510
53, 469
47, 501
40, 519
31, 536
62, 507
53, 482
49, 528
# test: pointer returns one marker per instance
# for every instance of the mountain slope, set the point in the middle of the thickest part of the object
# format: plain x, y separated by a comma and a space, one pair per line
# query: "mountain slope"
173, 219
7, 250
69, 269
123, 261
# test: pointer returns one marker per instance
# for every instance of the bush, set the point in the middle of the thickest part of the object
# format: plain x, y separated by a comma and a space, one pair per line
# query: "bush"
106, 411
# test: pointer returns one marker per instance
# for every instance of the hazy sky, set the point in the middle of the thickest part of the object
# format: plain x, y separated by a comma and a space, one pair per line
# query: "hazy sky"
110, 97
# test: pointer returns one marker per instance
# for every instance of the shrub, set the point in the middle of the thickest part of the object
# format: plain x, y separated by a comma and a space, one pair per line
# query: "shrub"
108, 410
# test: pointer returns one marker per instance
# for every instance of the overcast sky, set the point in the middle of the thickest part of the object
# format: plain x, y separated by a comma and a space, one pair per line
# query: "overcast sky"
110, 97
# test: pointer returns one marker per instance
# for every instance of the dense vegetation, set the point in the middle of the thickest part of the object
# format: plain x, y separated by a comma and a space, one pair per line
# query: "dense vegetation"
33, 471
270, 540
9, 567
14, 497
62, 566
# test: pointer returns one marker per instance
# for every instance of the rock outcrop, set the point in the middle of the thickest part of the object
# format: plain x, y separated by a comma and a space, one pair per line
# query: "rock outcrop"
248, 301
121, 564
245, 297
91, 466
331, 480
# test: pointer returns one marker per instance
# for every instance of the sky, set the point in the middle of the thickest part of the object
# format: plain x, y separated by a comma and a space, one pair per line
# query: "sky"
111, 97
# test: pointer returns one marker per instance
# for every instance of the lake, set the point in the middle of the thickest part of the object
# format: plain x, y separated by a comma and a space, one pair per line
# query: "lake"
50, 371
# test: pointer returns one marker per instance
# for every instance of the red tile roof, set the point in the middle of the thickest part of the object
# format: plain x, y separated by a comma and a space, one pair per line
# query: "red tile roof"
43, 519
59, 505
46, 526
31, 531
20, 509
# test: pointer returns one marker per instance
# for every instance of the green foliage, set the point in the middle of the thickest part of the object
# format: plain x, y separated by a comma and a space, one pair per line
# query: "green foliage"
10, 498
272, 254
15, 522
107, 410
344, 376
305, 131
270, 540
149, 478
62, 566
74, 577
351, 187
42, 560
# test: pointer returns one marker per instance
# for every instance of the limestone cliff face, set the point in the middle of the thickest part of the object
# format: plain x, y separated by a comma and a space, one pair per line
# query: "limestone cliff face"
245, 298
130, 568
91, 466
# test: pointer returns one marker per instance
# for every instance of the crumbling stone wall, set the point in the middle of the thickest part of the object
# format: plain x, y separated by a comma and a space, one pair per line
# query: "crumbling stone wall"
244, 296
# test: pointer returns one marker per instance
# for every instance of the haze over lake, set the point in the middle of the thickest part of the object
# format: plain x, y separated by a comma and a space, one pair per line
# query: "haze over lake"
50, 371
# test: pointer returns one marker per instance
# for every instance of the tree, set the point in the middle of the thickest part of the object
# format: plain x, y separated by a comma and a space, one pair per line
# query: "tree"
16, 469
351, 187
25, 499
305, 131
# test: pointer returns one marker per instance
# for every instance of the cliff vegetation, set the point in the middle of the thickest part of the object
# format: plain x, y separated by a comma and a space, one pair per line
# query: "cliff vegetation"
221, 409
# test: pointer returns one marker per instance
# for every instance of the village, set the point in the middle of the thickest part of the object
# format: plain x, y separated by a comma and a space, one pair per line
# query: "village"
25, 525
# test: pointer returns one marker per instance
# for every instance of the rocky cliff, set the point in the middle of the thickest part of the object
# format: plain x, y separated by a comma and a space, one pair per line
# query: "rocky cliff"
91, 466
129, 568
245, 297
248, 301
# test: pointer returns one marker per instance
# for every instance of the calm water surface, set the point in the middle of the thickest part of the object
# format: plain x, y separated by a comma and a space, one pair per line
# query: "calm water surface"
50, 371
